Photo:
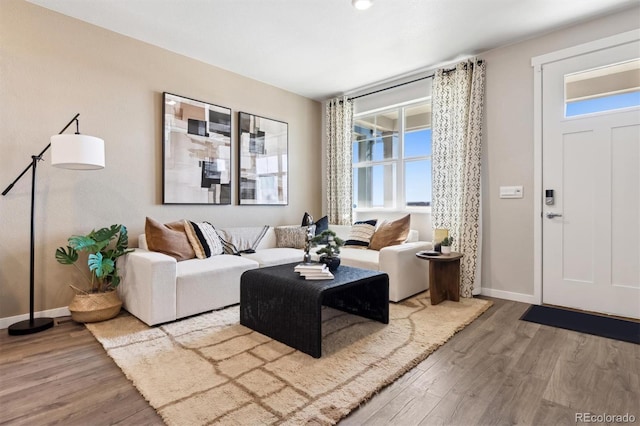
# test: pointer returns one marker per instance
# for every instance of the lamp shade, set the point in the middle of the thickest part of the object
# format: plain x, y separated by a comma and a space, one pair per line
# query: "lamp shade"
78, 152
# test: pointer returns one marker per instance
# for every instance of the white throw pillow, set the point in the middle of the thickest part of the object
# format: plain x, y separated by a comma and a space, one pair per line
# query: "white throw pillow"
203, 238
361, 233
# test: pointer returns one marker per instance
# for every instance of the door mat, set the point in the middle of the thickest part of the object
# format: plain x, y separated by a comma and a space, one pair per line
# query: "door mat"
612, 328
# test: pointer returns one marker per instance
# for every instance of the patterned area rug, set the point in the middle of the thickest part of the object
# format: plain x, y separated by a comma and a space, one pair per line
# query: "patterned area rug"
210, 369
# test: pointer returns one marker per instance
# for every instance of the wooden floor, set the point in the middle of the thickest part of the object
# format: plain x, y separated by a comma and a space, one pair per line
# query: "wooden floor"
497, 371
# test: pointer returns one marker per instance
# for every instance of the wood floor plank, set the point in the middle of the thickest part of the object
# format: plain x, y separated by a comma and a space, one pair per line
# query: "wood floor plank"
549, 413
516, 402
64, 376
408, 408
364, 412
588, 373
498, 370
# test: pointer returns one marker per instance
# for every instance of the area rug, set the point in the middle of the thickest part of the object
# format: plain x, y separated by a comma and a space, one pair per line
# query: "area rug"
598, 325
209, 369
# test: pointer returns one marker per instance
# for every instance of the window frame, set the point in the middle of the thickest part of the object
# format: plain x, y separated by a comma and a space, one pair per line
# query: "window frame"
400, 202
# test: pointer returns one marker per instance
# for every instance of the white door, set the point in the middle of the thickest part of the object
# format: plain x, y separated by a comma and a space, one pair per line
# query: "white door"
591, 247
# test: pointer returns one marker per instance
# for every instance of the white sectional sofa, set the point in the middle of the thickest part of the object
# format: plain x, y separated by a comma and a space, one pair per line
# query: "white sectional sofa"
408, 275
156, 288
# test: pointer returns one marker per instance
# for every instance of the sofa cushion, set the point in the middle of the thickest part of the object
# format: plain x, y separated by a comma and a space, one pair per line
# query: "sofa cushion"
361, 233
203, 238
212, 283
291, 236
275, 256
366, 259
391, 233
169, 239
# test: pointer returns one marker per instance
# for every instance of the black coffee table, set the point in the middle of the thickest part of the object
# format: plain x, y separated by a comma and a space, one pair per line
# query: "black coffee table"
279, 303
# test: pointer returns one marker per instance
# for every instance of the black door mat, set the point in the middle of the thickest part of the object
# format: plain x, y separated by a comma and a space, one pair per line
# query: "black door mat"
612, 328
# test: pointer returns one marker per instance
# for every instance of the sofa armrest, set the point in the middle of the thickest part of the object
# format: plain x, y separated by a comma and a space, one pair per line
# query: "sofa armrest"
148, 286
408, 275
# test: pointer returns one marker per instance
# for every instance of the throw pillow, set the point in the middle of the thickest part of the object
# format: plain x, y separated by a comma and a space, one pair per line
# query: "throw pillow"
169, 239
391, 233
361, 233
291, 236
321, 224
203, 238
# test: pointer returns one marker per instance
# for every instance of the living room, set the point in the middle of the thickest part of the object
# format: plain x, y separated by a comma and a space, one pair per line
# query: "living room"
58, 66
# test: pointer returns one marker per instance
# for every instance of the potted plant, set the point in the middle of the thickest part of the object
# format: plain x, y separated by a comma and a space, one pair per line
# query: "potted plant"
446, 245
104, 246
329, 252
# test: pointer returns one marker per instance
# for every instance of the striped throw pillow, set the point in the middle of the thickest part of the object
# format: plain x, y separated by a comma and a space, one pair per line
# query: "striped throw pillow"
361, 233
203, 238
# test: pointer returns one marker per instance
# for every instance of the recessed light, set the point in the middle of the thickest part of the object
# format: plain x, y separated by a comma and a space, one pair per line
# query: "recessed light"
362, 4
171, 102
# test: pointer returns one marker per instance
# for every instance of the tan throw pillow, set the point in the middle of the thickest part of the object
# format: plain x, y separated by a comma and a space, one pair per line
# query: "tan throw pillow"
169, 239
391, 233
291, 236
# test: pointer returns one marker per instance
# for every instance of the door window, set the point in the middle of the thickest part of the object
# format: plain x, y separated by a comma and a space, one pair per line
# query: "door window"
602, 89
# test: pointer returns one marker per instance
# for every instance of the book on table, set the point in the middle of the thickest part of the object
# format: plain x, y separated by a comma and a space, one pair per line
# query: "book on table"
327, 276
314, 271
310, 267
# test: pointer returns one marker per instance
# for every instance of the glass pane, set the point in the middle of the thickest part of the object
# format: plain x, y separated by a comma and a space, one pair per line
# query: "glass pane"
417, 117
603, 89
379, 149
417, 178
417, 143
365, 128
375, 137
606, 103
374, 186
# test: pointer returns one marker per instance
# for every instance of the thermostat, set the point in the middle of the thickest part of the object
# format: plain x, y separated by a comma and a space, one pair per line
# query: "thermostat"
511, 191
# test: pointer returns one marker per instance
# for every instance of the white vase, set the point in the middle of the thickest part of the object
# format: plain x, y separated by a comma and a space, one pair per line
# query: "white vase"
445, 249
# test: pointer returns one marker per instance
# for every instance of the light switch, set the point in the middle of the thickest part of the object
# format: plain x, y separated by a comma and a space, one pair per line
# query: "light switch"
511, 191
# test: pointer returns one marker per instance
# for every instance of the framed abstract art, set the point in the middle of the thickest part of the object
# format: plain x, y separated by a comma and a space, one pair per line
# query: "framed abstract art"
263, 160
196, 152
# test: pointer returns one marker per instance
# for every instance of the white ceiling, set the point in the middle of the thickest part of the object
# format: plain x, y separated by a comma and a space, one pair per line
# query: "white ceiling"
321, 48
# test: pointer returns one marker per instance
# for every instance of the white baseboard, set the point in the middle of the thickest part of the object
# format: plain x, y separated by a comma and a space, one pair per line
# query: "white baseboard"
51, 313
509, 295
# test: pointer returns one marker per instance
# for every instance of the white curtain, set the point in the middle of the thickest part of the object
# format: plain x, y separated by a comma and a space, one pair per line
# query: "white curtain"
458, 100
339, 122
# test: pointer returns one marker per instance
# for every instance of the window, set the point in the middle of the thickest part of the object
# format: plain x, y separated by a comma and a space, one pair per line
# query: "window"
603, 89
392, 158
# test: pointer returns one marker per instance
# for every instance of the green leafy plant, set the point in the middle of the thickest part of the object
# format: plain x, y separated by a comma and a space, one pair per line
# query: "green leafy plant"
332, 248
447, 241
104, 246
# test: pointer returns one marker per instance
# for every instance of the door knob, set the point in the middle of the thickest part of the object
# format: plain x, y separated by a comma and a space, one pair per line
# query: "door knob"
551, 215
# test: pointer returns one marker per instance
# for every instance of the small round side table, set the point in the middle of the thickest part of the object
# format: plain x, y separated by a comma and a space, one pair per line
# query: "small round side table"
444, 276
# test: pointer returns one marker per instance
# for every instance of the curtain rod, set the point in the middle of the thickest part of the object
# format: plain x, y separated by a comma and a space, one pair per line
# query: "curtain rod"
405, 83
391, 87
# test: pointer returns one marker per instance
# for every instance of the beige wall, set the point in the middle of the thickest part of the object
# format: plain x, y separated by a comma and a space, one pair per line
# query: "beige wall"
508, 150
52, 67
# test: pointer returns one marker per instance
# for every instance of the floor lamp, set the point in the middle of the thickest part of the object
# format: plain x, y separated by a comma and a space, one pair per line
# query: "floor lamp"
77, 152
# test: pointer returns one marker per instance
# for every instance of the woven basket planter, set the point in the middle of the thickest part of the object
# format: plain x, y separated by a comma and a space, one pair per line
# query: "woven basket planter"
94, 307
